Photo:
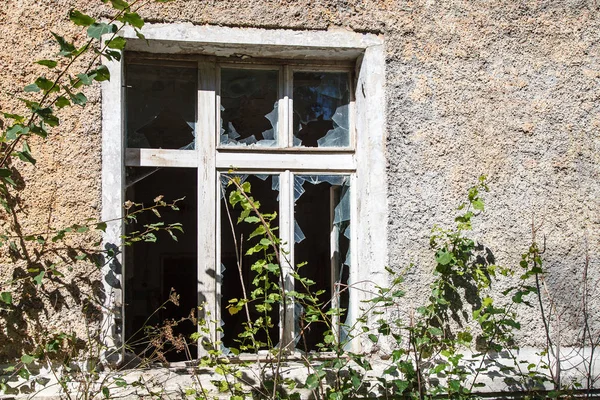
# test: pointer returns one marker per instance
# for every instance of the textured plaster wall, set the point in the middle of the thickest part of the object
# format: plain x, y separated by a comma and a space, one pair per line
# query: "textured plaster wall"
508, 89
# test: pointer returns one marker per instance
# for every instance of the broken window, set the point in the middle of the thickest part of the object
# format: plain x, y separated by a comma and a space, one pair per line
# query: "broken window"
154, 269
188, 123
322, 242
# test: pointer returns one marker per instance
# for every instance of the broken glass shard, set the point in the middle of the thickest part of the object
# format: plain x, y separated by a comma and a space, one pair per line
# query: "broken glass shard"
249, 101
161, 106
321, 109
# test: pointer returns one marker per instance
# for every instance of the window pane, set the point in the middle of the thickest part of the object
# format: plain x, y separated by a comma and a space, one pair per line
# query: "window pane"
321, 109
240, 278
322, 241
153, 269
161, 106
249, 101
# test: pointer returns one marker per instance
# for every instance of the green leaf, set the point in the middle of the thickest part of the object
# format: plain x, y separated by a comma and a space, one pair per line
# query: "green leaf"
6, 297
97, 29
478, 204
47, 63
31, 88
119, 4
27, 359
62, 102
78, 18
85, 79
373, 338
105, 392
14, 131
312, 381
5, 172
44, 84
101, 226
78, 99
443, 257
66, 48
133, 19
101, 74
38, 278
117, 43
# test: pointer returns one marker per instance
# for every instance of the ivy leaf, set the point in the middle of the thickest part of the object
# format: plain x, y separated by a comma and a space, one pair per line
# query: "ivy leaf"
97, 29
4, 173
6, 297
66, 49
47, 63
133, 19
78, 18
101, 226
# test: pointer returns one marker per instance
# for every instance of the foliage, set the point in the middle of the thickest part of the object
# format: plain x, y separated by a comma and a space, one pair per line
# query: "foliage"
443, 348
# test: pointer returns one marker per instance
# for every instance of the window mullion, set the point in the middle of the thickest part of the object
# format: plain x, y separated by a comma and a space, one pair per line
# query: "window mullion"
286, 228
286, 106
206, 134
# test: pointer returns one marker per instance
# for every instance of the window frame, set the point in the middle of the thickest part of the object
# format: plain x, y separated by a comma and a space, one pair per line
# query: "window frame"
364, 160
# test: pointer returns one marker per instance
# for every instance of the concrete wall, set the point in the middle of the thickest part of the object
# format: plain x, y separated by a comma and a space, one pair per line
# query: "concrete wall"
507, 89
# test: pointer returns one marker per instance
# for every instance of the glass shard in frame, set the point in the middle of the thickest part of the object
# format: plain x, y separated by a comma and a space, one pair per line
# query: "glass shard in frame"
321, 109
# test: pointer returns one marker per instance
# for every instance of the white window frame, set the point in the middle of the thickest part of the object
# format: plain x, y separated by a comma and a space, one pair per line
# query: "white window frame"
364, 160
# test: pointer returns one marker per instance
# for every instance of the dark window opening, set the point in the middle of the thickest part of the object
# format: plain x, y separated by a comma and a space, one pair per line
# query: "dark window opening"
152, 270
322, 242
265, 189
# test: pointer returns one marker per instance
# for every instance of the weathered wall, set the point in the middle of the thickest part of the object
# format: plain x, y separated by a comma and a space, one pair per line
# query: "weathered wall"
508, 89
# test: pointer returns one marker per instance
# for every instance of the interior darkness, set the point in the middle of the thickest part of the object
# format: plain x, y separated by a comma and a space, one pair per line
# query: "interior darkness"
314, 215
152, 269
231, 287
247, 96
161, 105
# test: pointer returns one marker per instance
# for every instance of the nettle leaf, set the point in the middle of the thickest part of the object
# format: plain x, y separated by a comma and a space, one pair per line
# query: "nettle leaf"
6, 297
66, 48
78, 18
133, 19
97, 29
47, 63
117, 43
